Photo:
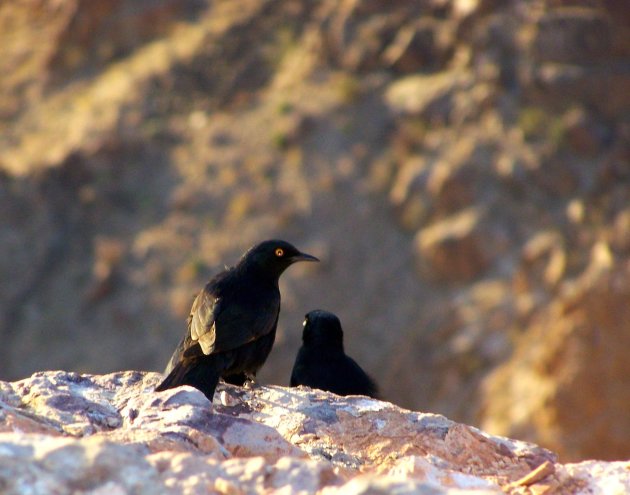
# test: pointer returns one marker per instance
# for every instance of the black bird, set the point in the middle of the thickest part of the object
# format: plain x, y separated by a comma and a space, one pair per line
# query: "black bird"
322, 363
232, 322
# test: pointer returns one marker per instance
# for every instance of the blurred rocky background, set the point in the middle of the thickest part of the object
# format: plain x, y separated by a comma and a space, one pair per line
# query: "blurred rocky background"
461, 167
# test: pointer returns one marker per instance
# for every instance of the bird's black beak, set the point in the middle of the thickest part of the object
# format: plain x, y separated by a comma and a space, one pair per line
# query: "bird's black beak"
303, 257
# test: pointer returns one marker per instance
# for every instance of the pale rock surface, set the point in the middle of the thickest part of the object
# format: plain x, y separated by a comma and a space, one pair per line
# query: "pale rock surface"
63, 432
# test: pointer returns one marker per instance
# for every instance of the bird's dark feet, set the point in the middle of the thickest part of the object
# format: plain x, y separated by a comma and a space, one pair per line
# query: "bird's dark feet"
250, 381
247, 380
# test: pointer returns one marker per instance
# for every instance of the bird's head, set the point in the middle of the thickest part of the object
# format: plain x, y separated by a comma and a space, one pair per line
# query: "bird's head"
273, 257
322, 328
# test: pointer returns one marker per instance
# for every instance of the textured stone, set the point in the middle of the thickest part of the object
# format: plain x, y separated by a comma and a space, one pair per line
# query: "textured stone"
574, 35
552, 388
38, 464
121, 437
427, 96
602, 88
422, 45
453, 249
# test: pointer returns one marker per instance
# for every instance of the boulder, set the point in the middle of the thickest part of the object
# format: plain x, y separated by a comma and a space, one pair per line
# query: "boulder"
65, 432
453, 249
567, 383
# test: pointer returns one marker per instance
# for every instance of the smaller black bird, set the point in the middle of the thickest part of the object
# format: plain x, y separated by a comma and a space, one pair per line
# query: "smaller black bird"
232, 322
322, 363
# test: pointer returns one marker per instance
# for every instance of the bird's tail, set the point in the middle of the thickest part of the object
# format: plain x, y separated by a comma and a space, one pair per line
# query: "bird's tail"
203, 374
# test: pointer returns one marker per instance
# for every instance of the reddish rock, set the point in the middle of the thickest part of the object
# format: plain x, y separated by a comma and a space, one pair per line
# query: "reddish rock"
267, 440
568, 383
453, 249
574, 36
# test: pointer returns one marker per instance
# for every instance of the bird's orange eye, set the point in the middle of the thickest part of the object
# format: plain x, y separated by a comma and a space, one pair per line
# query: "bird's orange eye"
279, 252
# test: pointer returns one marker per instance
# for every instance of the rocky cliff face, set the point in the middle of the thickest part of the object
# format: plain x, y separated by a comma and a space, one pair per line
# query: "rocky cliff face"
460, 166
64, 432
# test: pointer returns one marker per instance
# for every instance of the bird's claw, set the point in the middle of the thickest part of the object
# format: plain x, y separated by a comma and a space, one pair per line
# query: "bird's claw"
250, 383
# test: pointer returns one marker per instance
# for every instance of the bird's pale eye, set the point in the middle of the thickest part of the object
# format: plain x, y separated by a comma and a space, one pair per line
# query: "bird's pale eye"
279, 252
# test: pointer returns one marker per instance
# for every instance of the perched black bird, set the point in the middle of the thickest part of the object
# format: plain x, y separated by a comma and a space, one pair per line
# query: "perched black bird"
232, 322
322, 363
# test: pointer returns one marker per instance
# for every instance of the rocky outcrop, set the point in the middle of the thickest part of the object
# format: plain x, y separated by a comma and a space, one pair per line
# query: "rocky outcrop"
541, 392
64, 432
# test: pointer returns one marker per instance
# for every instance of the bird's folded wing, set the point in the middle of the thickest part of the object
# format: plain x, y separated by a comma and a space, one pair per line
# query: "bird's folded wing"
202, 321
236, 327
220, 327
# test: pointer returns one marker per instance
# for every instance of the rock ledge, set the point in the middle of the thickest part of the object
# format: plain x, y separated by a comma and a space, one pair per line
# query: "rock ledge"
64, 432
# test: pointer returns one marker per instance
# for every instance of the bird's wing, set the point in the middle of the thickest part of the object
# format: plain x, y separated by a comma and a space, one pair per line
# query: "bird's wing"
203, 315
236, 326
364, 382
202, 323
218, 327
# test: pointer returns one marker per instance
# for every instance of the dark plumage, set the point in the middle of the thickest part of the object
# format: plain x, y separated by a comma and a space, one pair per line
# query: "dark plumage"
232, 322
322, 363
